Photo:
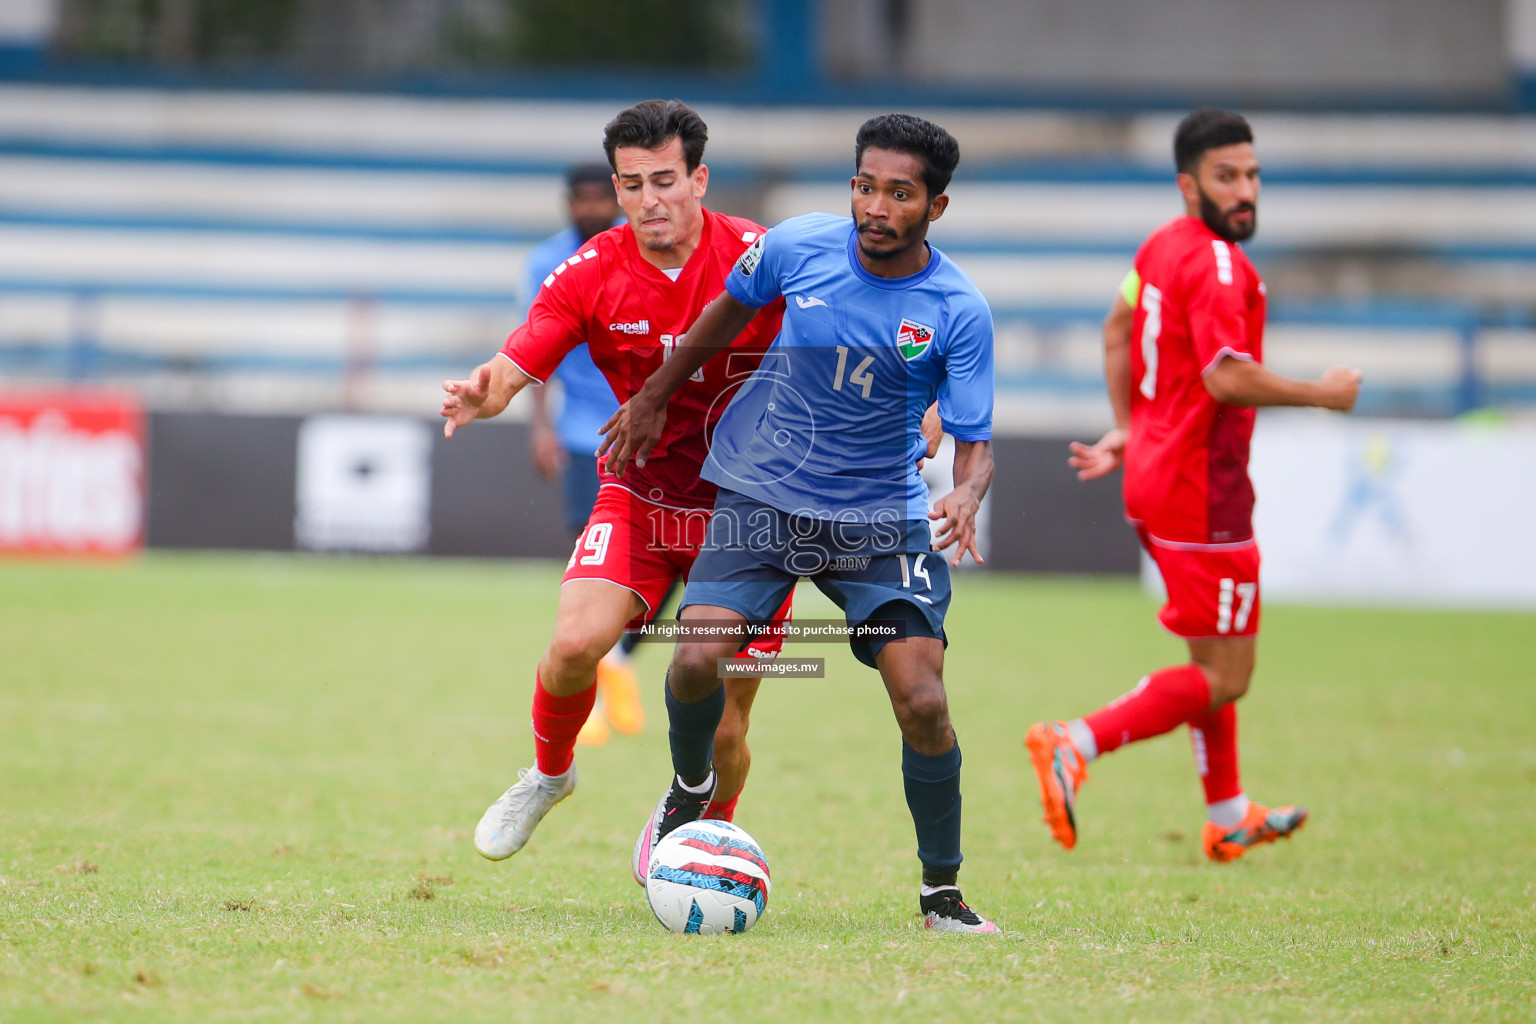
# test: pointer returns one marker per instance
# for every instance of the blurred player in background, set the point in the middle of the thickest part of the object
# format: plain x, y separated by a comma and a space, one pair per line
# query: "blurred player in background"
1183, 358
628, 293
562, 447
816, 459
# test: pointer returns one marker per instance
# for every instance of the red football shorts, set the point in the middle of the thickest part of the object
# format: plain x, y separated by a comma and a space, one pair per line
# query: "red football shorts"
1212, 591
644, 548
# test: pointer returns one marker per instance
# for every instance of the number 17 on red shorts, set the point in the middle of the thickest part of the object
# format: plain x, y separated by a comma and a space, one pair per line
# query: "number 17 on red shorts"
1213, 590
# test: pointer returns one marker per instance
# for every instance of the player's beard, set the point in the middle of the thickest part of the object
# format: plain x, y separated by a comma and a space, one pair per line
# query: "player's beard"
907, 240
668, 239
589, 229
1217, 220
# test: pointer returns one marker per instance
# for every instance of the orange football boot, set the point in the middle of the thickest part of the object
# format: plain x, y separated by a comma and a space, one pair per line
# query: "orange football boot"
594, 731
620, 687
1062, 771
1260, 825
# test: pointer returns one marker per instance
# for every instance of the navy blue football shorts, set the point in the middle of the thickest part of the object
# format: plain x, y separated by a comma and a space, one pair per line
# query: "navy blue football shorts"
877, 572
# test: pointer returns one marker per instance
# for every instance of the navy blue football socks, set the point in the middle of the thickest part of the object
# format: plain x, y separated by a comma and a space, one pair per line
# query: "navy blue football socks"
933, 797
691, 733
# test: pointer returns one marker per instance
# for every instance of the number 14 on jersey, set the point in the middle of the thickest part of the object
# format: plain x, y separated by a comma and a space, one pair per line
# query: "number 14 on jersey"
860, 377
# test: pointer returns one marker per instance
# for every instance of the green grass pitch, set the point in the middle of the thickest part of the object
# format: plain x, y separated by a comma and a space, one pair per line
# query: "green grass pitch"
243, 788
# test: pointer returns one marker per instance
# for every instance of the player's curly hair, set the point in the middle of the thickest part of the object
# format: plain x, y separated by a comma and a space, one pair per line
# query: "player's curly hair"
654, 123
1207, 128
905, 133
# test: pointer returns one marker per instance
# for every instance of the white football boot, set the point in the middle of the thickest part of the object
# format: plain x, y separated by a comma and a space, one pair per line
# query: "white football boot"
677, 806
945, 911
506, 825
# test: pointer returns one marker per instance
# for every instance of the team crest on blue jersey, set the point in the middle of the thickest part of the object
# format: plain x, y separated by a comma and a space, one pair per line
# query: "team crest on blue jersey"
913, 339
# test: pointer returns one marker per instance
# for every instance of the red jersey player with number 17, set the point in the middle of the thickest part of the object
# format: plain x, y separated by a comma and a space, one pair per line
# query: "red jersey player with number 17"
628, 293
1183, 358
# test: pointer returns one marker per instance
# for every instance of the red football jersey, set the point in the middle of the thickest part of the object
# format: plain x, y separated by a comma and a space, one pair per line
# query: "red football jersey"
1197, 300
630, 315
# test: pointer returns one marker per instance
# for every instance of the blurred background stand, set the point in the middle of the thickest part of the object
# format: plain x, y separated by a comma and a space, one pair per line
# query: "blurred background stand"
274, 210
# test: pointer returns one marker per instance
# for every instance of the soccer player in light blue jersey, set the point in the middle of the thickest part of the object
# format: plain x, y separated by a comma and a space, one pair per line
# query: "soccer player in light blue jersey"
816, 461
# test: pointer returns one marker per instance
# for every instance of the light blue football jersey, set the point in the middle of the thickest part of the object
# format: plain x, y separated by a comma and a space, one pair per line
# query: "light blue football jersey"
830, 424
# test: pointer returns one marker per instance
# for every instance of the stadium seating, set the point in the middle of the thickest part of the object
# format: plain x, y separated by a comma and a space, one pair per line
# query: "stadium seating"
255, 249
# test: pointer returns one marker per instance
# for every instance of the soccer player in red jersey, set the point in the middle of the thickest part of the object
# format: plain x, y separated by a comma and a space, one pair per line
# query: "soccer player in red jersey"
1183, 358
629, 293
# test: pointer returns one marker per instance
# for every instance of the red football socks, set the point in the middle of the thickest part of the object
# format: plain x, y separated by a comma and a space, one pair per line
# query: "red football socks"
556, 721
722, 810
1214, 738
1161, 702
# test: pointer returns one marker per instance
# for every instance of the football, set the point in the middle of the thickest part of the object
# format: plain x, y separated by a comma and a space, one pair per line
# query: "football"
708, 878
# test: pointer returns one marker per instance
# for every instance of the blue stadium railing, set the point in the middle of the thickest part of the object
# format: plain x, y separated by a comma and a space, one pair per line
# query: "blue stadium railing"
1105, 171
83, 358
1469, 251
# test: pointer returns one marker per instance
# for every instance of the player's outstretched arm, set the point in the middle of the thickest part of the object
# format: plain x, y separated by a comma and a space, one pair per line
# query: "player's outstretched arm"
957, 509
1235, 381
1105, 455
633, 431
483, 394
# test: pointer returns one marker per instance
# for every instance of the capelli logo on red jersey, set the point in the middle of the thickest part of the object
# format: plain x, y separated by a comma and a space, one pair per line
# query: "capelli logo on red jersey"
638, 327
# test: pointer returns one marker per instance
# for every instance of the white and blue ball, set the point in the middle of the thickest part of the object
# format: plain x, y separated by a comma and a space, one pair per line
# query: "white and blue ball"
707, 878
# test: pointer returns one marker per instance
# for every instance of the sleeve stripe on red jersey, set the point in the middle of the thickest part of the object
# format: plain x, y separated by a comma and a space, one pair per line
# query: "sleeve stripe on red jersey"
1223, 260
749, 237
520, 368
560, 268
1226, 350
